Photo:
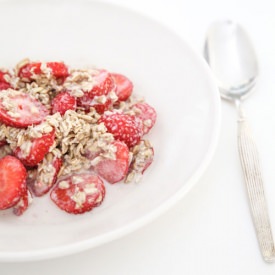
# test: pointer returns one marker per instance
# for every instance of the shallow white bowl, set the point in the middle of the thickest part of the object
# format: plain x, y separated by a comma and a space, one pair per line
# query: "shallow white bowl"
163, 68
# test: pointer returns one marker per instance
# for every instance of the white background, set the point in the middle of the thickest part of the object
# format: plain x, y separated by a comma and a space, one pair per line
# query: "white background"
210, 230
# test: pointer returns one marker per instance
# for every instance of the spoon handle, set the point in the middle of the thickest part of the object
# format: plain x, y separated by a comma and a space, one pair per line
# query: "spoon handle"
253, 178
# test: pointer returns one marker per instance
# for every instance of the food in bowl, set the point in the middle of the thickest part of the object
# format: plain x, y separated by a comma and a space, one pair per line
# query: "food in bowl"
67, 132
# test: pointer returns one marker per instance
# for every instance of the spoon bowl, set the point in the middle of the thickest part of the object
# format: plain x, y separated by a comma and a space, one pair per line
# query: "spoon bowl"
231, 56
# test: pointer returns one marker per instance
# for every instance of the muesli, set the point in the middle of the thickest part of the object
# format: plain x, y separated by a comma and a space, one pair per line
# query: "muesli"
67, 132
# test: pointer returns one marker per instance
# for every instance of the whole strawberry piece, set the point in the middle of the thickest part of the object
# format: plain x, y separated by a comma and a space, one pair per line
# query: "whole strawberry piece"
114, 170
18, 109
124, 87
12, 181
147, 114
124, 127
34, 152
63, 102
78, 193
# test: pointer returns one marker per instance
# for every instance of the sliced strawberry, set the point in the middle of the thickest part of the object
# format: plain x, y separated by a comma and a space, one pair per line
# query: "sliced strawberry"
63, 102
44, 177
78, 193
29, 70
4, 85
143, 155
59, 69
39, 147
98, 96
124, 87
147, 114
18, 109
23, 203
3, 142
12, 181
114, 170
124, 127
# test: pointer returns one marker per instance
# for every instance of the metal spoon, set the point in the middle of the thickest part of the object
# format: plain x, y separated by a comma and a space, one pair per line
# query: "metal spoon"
231, 57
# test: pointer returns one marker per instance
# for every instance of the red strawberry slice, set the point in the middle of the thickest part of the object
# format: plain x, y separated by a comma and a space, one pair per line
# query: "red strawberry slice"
29, 70
147, 114
63, 102
38, 149
3, 142
124, 127
98, 96
59, 69
44, 177
23, 203
18, 109
124, 87
4, 85
114, 170
12, 181
78, 193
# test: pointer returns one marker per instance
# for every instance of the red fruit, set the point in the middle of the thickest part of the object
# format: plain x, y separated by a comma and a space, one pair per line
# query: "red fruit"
12, 181
124, 87
124, 127
78, 193
24, 111
38, 149
59, 69
3, 142
44, 177
98, 96
114, 170
63, 102
29, 70
147, 114
4, 85
23, 203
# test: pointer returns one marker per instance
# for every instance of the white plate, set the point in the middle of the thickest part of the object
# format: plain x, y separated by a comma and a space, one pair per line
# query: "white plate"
163, 68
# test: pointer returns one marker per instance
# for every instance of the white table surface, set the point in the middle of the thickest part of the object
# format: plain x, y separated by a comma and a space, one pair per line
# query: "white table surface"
209, 231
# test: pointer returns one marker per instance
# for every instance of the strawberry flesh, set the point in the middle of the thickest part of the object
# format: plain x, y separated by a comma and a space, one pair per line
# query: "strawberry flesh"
104, 84
147, 114
124, 87
63, 102
23, 203
39, 148
59, 70
26, 111
12, 181
114, 170
41, 180
78, 193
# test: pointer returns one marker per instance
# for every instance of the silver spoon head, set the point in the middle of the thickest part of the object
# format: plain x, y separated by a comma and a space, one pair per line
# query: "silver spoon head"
231, 56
